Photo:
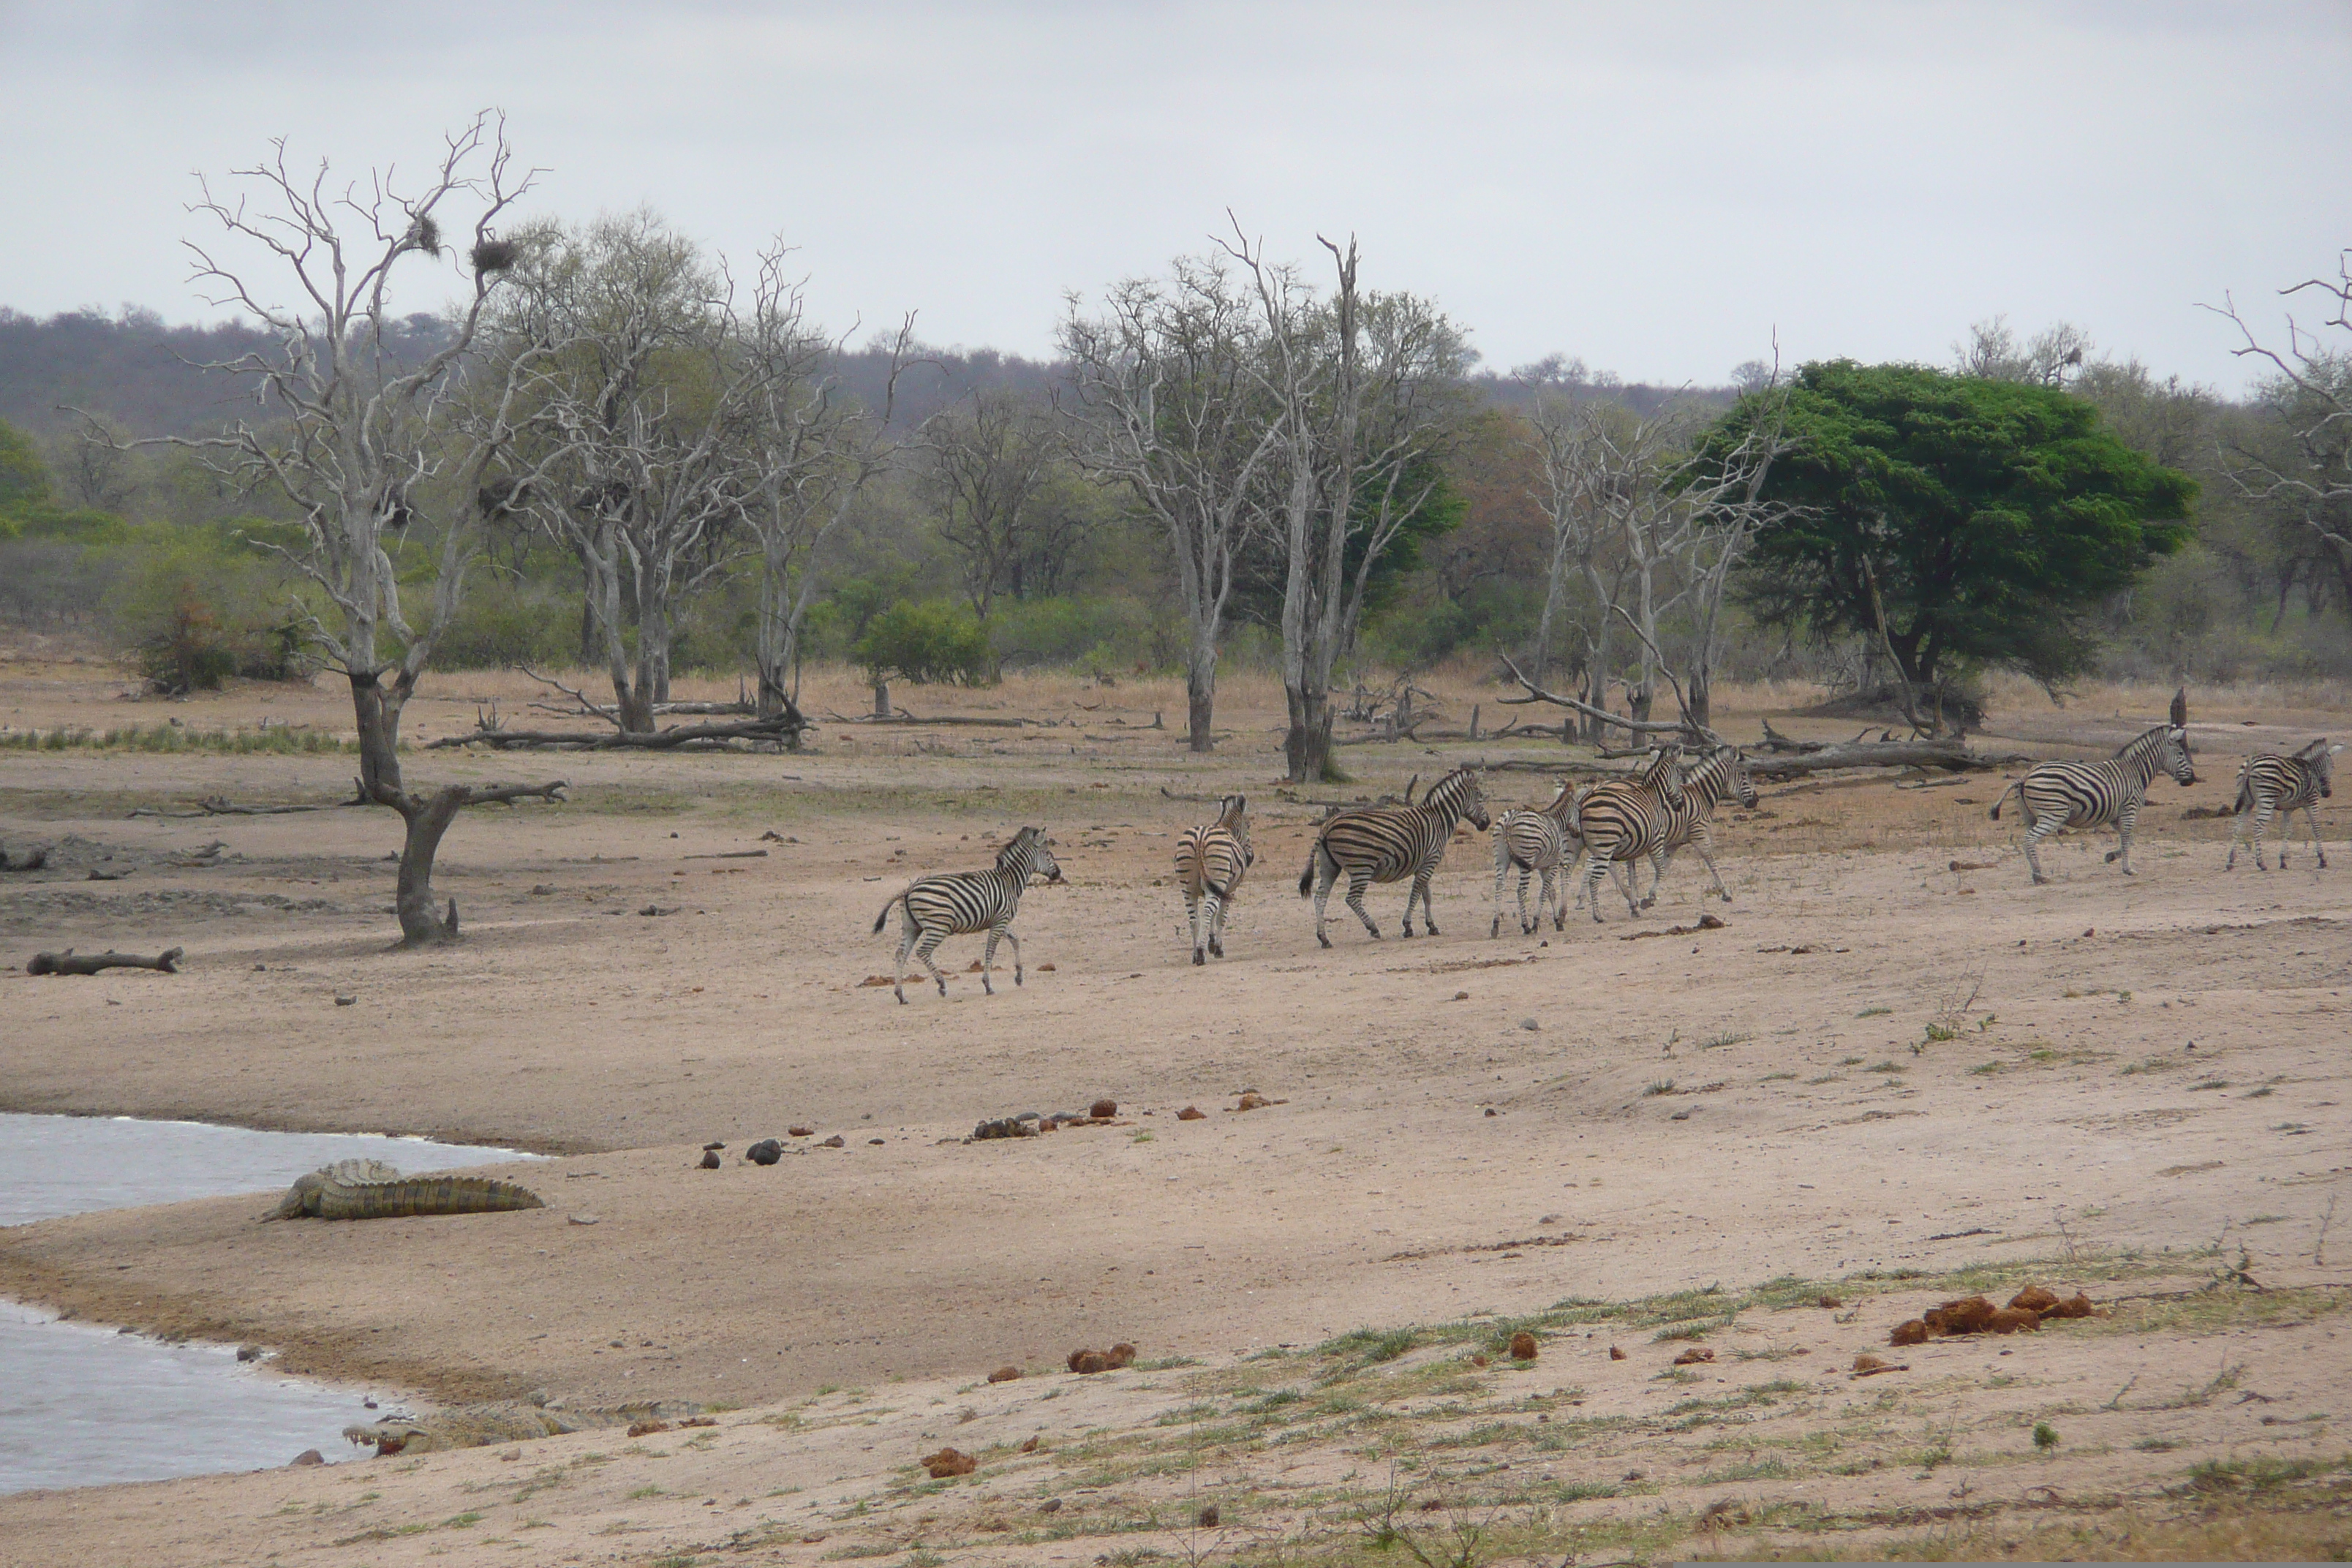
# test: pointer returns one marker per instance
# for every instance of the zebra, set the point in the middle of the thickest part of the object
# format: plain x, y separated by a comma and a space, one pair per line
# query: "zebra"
2269, 782
1720, 776
937, 908
1536, 841
1624, 821
2058, 796
1211, 861
1388, 844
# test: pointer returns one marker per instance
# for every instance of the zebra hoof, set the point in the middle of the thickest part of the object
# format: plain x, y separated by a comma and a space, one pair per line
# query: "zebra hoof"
1321, 938
1216, 950
1016, 977
1197, 958
2040, 881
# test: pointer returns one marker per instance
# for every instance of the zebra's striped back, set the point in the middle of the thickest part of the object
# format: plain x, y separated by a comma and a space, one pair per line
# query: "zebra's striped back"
1213, 857
1389, 843
1720, 776
961, 901
1624, 819
2099, 794
2285, 783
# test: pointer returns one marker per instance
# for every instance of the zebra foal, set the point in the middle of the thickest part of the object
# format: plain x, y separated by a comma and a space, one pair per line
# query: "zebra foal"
936, 908
2271, 784
2058, 796
1536, 842
1211, 861
1388, 844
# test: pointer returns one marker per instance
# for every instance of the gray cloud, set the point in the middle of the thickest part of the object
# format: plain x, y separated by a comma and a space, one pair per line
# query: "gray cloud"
1655, 188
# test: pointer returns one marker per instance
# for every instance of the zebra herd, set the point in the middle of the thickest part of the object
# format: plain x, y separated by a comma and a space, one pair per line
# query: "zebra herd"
1607, 829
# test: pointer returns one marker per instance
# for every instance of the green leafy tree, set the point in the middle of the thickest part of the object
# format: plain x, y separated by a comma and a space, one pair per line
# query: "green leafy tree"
1957, 521
23, 478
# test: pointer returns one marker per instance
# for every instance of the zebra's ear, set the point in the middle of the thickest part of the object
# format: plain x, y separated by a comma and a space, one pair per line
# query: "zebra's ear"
2180, 709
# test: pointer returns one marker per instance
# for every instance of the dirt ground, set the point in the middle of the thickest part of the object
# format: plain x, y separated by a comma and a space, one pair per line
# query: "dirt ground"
1883, 1079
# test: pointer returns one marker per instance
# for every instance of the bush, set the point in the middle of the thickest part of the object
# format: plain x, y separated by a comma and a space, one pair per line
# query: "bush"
503, 622
195, 606
1103, 632
927, 642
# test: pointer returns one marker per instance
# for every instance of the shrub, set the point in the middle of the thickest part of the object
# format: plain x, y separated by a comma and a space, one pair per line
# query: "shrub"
927, 642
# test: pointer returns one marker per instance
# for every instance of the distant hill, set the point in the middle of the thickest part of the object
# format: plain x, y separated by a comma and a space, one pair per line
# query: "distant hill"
138, 370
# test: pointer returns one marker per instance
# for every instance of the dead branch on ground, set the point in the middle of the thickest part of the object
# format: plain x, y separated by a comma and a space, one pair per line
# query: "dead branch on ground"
67, 962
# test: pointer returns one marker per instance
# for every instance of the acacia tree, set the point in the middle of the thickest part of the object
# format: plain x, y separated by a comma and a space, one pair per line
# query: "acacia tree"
1172, 410
363, 441
2309, 397
1366, 391
1956, 521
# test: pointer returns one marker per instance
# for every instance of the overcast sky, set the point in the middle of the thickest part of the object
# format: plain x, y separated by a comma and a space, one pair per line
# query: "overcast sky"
1655, 188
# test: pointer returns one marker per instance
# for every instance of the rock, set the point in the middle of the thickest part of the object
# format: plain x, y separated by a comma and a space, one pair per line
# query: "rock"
799, 1132
542, 889
878, 1140
346, 1001
1050, 1505
2014, 1320
307, 1457
766, 1151
1250, 1103
1523, 1346
835, 1141
710, 1159
1208, 1517
1831, 1302
647, 1428
1045, 969
1531, 1026
1913, 1331
1191, 1113
714, 1145
1462, 995
1004, 1375
948, 1462
1103, 1109
1004, 1126
584, 1218
249, 1353
1616, 1354
1030, 1448
1694, 1356
2033, 1298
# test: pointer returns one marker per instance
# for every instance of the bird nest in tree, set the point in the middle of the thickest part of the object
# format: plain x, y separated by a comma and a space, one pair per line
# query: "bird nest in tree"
496, 254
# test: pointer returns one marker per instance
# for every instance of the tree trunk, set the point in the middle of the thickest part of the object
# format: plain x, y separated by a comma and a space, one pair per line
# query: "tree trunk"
881, 700
1307, 748
421, 922
1637, 701
1699, 699
1201, 692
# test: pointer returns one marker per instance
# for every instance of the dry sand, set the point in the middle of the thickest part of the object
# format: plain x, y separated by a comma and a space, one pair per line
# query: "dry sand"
1878, 1065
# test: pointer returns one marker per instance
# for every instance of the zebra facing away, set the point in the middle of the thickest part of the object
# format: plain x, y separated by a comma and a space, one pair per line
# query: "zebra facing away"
1388, 844
2057, 795
1621, 822
1536, 842
1722, 775
1211, 861
2271, 784
937, 908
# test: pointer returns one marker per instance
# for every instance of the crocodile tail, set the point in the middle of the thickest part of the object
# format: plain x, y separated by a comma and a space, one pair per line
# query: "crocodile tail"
424, 1196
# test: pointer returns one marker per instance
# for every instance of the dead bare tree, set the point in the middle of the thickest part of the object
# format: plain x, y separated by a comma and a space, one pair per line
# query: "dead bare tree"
1366, 390
989, 462
1172, 411
360, 441
2310, 394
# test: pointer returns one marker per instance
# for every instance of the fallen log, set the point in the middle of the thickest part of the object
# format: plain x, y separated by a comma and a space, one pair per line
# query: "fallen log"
1639, 726
69, 963
782, 727
218, 805
1952, 754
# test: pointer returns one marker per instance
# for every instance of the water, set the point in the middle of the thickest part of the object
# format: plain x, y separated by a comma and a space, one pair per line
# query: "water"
82, 1405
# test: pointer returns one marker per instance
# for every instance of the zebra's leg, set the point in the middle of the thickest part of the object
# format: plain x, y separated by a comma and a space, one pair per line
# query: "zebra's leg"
2035, 833
1357, 882
1192, 924
899, 974
2262, 811
1659, 861
1217, 925
1528, 926
1327, 872
1704, 842
929, 945
987, 959
1623, 873
1428, 909
2310, 816
1595, 868
1572, 876
1016, 940
1555, 890
2125, 819
1502, 874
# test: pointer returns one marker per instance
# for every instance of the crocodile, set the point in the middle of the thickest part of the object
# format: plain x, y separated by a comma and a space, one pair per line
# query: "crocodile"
504, 1421
369, 1189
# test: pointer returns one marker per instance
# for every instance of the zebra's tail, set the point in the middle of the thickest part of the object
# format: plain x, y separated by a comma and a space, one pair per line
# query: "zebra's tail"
884, 918
2018, 788
1306, 878
2245, 800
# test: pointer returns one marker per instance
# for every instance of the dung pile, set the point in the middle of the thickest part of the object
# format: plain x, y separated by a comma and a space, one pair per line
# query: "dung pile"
1978, 1315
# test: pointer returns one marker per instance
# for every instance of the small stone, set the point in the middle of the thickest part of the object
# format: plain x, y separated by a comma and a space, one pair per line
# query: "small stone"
307, 1457
1004, 1375
1191, 1113
1050, 1505
509, 1456
1462, 995
1523, 1346
346, 1001
766, 1151
1045, 969
584, 1218
542, 890
1492, 1112
1529, 1025
835, 1141
1030, 1448
872, 1141
714, 1145
799, 1132
1616, 1354
1833, 1303
1105, 1108
249, 1353
710, 1158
